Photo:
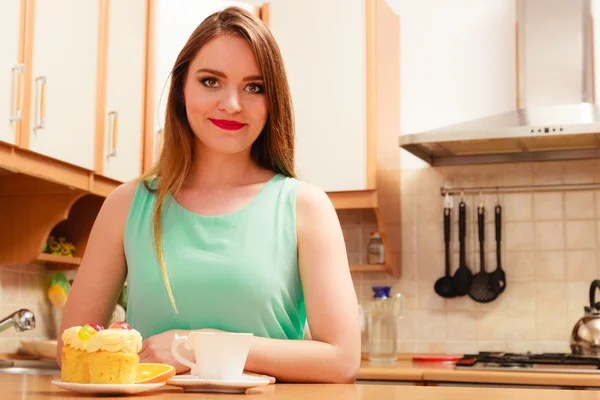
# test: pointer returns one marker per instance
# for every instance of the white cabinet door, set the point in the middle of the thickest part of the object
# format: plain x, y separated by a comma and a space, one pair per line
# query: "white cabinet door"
458, 61
126, 53
323, 44
63, 98
11, 72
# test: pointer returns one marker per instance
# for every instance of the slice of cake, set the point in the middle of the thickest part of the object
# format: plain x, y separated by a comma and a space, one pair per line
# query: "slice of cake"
113, 354
92, 354
74, 357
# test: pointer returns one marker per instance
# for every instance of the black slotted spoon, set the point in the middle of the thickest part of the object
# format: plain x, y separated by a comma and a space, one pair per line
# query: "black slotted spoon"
480, 288
462, 277
498, 277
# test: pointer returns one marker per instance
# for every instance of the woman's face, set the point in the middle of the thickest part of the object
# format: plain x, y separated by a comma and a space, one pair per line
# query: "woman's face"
224, 95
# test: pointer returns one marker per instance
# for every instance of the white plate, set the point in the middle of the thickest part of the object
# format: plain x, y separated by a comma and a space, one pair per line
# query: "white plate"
107, 388
190, 383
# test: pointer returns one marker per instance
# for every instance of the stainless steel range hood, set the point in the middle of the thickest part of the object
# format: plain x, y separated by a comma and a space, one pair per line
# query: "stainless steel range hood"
556, 118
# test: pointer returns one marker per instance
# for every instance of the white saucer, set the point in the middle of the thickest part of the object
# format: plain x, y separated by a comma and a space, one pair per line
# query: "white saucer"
190, 383
107, 388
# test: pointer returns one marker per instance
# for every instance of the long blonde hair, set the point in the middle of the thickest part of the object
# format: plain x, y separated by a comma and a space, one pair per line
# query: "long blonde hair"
274, 147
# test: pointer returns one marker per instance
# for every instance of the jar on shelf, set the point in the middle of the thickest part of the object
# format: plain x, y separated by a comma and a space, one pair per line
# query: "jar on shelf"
375, 250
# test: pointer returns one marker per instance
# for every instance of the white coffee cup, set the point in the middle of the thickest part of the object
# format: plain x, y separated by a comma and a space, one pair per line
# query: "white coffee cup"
218, 355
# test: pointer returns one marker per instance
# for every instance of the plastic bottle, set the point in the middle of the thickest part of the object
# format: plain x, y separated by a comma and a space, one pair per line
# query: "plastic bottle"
375, 250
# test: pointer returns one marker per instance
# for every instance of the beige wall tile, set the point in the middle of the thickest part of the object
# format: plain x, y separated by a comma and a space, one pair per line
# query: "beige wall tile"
579, 205
429, 299
519, 297
548, 206
580, 235
582, 266
462, 326
10, 287
431, 326
551, 296
520, 328
430, 237
519, 236
551, 325
550, 235
550, 266
577, 297
516, 207
517, 174
519, 266
491, 327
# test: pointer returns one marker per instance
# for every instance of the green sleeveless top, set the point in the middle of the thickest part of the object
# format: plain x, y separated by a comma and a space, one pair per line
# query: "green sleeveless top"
235, 272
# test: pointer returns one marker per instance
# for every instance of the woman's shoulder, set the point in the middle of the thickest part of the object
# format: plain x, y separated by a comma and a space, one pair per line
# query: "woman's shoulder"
312, 201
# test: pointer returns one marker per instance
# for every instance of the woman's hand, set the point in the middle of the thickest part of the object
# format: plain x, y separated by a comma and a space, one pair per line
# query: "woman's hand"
157, 349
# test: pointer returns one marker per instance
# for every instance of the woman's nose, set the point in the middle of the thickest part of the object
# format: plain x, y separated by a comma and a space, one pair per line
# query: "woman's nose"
230, 102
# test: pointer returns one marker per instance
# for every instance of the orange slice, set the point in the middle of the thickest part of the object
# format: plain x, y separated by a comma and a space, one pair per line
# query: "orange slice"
154, 373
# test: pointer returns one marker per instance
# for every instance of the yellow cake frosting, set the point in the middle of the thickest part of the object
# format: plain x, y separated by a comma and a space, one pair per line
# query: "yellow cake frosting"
115, 340
71, 338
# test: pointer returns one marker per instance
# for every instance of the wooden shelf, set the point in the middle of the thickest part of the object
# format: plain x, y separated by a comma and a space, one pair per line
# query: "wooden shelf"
353, 199
59, 262
369, 268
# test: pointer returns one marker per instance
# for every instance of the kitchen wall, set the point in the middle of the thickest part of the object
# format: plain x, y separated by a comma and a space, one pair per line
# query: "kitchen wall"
550, 252
24, 286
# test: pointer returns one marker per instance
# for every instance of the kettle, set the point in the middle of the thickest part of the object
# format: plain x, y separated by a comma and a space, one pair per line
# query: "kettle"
585, 338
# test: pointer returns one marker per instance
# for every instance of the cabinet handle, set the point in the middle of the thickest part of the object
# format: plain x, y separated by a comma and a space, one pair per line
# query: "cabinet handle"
114, 135
41, 110
16, 105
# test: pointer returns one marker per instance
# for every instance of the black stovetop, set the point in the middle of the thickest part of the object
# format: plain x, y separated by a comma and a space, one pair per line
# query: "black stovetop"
527, 361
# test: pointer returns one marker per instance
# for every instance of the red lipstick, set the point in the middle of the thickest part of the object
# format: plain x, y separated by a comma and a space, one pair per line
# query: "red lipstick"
227, 124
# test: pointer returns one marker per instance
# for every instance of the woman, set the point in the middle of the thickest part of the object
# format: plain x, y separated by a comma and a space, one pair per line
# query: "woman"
220, 234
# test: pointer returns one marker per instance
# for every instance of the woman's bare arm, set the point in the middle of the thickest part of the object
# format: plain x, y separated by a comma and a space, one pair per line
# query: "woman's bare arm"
333, 354
103, 269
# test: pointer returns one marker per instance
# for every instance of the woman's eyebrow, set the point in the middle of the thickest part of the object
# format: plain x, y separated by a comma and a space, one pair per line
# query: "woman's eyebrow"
222, 74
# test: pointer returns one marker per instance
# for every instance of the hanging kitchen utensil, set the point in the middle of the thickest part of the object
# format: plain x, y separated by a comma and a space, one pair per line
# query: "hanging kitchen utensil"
498, 277
462, 277
445, 285
480, 289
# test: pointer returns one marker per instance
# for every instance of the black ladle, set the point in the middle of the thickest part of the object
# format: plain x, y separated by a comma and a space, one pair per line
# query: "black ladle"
498, 277
480, 289
445, 285
463, 276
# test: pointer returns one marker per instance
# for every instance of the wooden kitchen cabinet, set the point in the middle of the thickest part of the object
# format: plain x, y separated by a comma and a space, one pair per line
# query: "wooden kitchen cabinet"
325, 48
121, 115
11, 67
61, 74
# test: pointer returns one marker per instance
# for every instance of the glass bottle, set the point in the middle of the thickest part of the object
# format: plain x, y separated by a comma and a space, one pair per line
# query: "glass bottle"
375, 253
385, 311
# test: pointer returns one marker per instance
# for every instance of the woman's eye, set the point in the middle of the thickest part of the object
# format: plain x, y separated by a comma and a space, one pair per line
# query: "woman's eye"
255, 88
210, 82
